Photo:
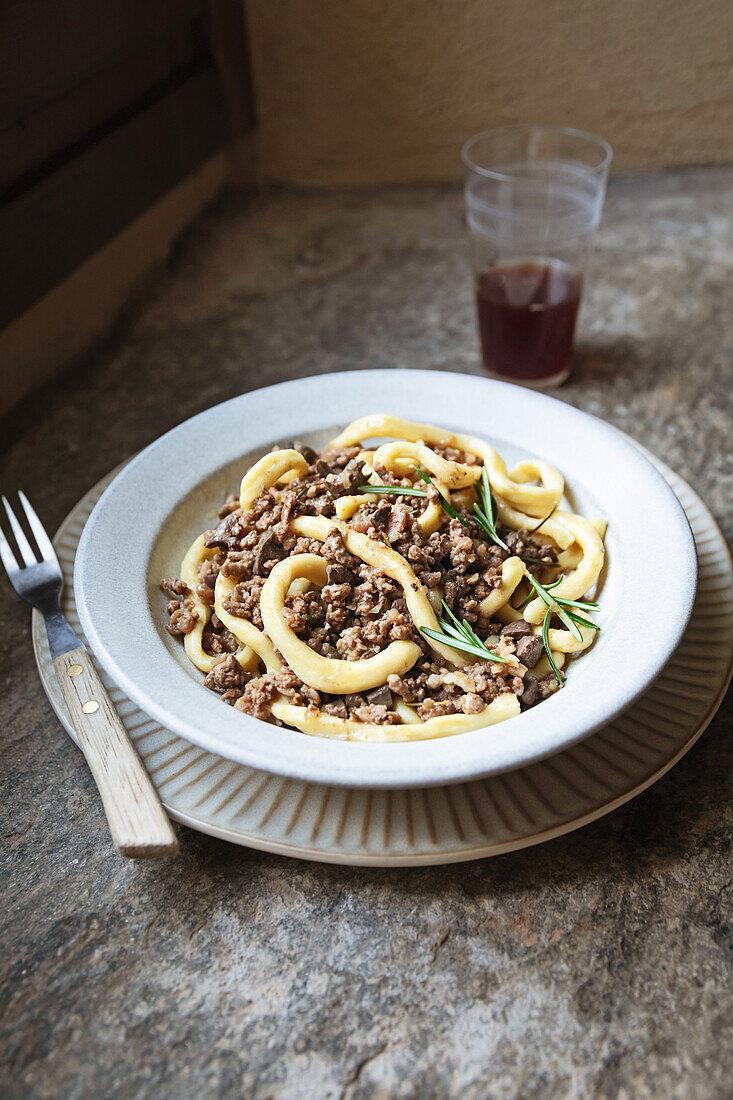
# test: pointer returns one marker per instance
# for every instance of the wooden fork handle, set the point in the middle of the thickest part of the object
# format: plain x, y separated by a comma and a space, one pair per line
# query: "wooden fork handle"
139, 825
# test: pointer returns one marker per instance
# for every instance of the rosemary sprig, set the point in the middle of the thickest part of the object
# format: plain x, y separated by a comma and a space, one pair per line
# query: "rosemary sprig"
460, 635
557, 605
563, 604
447, 506
486, 512
401, 490
583, 622
554, 605
582, 605
396, 490
542, 521
547, 587
546, 644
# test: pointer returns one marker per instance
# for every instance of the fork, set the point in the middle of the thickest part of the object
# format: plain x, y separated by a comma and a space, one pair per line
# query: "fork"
138, 823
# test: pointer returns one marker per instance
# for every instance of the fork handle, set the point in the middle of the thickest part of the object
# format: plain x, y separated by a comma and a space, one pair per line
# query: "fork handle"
139, 825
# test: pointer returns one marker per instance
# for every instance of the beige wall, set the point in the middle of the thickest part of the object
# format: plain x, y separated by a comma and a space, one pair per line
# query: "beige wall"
366, 91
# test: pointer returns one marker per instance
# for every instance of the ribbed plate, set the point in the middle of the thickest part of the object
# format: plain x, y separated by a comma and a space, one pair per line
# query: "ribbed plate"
441, 824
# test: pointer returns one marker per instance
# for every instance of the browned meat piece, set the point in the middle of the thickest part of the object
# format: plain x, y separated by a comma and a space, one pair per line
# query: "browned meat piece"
230, 505
337, 708
289, 504
351, 476
524, 545
307, 452
333, 548
462, 553
380, 715
529, 695
519, 629
529, 650
294, 614
547, 686
256, 700
172, 586
218, 641
238, 565
231, 695
259, 693
399, 523
339, 574
227, 534
379, 696
336, 594
380, 516
432, 709
244, 601
471, 703
183, 620
267, 548
226, 674
205, 589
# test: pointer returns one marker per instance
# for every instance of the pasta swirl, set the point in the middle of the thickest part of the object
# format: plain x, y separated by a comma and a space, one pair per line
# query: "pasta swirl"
353, 616
387, 561
324, 673
536, 500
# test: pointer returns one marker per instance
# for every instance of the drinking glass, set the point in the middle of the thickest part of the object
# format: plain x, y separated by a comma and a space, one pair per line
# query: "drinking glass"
534, 196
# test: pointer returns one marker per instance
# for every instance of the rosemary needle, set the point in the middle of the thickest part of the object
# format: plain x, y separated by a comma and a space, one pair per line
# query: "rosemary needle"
397, 490
460, 635
546, 644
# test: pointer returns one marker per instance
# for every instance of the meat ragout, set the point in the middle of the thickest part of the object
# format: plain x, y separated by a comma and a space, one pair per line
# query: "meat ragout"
360, 610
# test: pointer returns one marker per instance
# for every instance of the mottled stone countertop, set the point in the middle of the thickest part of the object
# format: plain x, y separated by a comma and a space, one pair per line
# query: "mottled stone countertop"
598, 965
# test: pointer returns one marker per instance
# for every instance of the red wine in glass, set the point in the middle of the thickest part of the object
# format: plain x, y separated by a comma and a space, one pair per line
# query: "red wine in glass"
526, 318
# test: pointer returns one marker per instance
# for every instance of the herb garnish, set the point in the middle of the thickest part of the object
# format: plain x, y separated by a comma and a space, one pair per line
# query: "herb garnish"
397, 490
546, 643
447, 506
459, 635
542, 521
557, 605
400, 490
486, 513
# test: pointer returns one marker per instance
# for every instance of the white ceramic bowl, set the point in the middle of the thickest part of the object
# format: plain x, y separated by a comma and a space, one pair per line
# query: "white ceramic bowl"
170, 492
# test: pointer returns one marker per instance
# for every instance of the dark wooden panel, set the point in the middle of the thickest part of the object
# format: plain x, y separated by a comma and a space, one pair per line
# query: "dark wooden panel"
230, 45
49, 230
47, 47
27, 144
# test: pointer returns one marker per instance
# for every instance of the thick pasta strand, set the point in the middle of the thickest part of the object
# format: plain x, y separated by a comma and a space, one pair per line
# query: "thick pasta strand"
401, 456
388, 561
267, 472
193, 559
324, 673
512, 574
348, 729
243, 630
536, 500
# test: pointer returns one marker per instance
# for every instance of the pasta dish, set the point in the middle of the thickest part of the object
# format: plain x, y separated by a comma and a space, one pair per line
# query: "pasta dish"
399, 585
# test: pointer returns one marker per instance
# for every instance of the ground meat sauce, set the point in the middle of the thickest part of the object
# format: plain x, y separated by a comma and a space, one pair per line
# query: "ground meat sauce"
360, 611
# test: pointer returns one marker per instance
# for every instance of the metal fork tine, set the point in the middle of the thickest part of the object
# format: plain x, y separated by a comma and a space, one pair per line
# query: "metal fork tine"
23, 545
8, 556
44, 543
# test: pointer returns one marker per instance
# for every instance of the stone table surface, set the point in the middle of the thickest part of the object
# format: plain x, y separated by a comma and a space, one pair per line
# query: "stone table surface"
598, 965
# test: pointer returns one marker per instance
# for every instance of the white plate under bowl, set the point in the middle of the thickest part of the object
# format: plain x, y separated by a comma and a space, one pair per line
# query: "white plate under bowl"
441, 824
171, 491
